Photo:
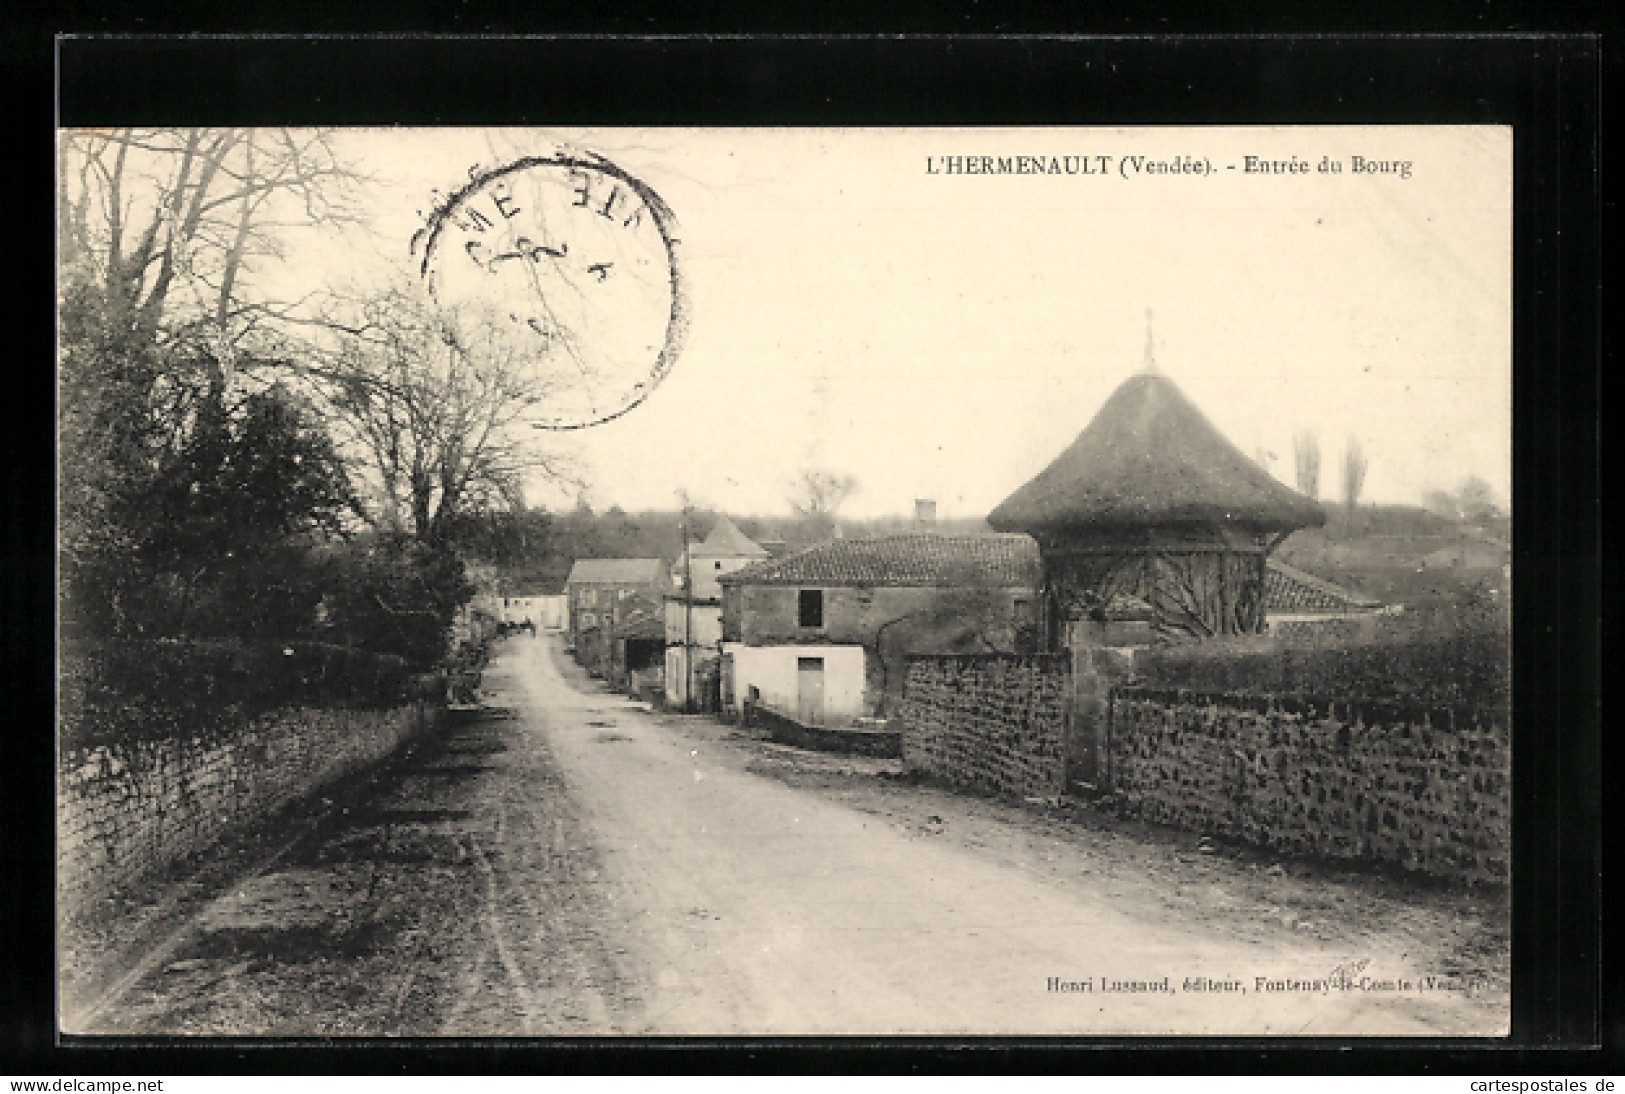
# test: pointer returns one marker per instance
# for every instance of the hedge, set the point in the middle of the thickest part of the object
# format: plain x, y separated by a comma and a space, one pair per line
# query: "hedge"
158, 689
1467, 669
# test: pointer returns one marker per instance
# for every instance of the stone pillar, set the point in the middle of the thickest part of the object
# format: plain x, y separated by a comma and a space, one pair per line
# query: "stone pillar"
1095, 669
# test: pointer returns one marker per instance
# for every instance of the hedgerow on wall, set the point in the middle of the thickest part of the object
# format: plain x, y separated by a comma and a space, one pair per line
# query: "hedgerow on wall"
134, 690
1465, 668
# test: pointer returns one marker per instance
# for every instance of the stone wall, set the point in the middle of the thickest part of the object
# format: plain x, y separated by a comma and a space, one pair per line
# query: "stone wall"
882, 743
1424, 789
126, 811
994, 722
770, 615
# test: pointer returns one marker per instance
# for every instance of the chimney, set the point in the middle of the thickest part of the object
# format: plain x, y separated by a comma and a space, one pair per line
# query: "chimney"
925, 512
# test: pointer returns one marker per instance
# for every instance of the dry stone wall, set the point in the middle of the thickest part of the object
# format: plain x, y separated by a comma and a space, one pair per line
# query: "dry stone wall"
992, 722
126, 811
1424, 789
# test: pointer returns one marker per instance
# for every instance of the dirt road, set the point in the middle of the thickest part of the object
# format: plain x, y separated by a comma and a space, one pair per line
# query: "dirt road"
755, 907
571, 864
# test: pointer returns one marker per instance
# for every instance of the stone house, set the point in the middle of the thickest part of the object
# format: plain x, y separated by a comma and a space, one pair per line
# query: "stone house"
694, 614
616, 618
822, 634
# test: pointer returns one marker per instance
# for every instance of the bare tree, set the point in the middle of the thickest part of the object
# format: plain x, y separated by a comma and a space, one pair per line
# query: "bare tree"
162, 232
169, 224
1306, 453
435, 412
1354, 465
816, 496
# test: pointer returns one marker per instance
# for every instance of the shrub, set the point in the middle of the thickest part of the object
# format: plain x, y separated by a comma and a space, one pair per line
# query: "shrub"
395, 594
1465, 666
150, 690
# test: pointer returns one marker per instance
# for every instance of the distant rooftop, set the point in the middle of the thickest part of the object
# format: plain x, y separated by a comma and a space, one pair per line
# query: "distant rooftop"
727, 541
1290, 590
616, 571
908, 559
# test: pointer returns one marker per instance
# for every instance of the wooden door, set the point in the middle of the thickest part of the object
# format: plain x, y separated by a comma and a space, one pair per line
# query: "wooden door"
810, 690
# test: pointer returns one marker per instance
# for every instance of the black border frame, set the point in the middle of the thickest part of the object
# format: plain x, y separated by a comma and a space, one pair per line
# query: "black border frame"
1548, 87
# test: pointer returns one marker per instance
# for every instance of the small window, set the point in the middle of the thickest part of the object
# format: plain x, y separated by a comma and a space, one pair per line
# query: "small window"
812, 607
718, 565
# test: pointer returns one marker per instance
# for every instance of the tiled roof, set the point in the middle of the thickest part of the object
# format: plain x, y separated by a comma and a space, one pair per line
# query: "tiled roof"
640, 623
616, 571
1290, 590
909, 559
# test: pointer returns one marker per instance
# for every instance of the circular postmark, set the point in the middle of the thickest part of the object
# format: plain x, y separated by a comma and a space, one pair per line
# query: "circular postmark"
576, 260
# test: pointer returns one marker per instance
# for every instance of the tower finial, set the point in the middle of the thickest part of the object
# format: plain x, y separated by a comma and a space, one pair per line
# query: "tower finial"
1150, 357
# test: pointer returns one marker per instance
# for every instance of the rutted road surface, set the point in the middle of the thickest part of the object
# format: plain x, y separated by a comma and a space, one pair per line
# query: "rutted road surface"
570, 864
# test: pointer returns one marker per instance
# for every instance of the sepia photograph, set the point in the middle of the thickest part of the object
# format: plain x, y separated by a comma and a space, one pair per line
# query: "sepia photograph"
784, 582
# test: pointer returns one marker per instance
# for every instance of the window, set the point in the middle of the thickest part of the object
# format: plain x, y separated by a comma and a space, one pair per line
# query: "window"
812, 607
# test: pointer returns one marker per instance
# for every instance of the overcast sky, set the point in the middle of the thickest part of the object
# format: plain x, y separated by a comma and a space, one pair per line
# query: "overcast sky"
947, 335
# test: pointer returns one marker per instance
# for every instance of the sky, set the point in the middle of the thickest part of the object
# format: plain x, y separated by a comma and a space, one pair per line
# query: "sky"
858, 307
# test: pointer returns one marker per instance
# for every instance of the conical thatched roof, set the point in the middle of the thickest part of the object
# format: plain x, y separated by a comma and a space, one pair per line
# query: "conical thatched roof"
1150, 459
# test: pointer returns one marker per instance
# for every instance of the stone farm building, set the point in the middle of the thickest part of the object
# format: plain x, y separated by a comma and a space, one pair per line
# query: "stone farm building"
1152, 506
821, 635
617, 619
694, 613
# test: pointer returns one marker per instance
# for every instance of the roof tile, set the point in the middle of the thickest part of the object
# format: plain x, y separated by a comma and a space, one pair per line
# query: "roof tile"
908, 559
1287, 589
616, 571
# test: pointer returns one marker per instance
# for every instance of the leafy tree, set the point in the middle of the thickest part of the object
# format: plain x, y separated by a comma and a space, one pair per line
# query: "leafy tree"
394, 593
161, 503
183, 466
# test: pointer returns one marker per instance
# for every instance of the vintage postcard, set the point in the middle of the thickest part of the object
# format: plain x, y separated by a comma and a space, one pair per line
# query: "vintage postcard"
785, 582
